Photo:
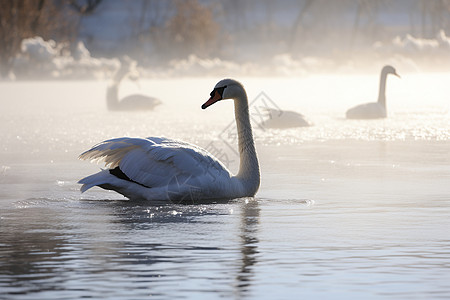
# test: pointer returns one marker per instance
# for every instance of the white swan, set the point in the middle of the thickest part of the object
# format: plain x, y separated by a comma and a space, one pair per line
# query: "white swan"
282, 119
157, 168
374, 110
132, 102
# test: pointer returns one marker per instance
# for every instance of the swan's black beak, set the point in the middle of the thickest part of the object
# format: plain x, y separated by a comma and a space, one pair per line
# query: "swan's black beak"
396, 74
215, 96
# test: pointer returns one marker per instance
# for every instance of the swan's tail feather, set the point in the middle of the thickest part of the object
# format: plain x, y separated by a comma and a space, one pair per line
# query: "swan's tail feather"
108, 181
97, 179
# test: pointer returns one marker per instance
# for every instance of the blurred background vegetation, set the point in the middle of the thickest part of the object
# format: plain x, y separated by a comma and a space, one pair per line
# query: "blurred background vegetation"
156, 31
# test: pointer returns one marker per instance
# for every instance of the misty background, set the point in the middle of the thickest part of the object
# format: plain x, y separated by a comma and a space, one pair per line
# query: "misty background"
86, 39
347, 209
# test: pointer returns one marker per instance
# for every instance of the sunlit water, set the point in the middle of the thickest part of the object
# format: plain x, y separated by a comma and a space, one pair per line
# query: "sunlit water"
346, 209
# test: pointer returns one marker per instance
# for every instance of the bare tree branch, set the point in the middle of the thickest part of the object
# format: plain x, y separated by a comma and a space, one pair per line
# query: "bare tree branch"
86, 7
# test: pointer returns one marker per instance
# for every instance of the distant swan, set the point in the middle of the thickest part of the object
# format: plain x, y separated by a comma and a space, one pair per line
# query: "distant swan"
158, 168
374, 110
132, 102
282, 119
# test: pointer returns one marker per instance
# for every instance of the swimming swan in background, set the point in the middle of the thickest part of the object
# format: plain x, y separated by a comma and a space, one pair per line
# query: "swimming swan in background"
132, 102
158, 168
282, 119
377, 109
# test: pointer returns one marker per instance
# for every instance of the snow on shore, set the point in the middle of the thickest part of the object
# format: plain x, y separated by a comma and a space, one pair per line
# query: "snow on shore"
40, 59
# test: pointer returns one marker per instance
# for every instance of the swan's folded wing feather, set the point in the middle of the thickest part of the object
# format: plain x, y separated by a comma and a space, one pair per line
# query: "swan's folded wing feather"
155, 161
161, 164
142, 167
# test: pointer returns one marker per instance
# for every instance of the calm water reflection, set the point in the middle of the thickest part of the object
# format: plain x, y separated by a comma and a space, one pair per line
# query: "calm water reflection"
66, 249
249, 245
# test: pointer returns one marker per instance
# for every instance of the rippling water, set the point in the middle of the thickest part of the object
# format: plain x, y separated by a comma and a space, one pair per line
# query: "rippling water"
346, 209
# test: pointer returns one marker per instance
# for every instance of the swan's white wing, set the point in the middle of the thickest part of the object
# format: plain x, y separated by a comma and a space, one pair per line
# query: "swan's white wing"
154, 161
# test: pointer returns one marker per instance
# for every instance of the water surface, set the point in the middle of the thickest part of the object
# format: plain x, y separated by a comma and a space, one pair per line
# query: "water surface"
346, 209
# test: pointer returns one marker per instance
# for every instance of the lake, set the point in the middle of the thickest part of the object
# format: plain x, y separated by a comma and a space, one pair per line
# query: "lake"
347, 209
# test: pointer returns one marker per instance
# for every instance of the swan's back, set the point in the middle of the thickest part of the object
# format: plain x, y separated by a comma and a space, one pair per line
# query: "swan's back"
138, 102
281, 119
372, 110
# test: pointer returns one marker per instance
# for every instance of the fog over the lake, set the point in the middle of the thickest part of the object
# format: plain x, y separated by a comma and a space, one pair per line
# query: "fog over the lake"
349, 110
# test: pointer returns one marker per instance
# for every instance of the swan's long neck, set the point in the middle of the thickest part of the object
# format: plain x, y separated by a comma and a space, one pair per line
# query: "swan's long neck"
112, 96
382, 91
249, 167
112, 93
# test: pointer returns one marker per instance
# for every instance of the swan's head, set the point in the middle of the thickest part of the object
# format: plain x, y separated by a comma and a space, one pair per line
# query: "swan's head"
225, 89
390, 70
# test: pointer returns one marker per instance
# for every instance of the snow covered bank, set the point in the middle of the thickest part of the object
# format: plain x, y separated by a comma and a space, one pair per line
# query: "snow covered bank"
41, 59
420, 54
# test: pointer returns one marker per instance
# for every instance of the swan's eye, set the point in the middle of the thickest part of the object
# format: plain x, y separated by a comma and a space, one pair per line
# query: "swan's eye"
220, 90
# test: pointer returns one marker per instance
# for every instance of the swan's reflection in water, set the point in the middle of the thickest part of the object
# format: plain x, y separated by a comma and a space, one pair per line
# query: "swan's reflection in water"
249, 244
195, 236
